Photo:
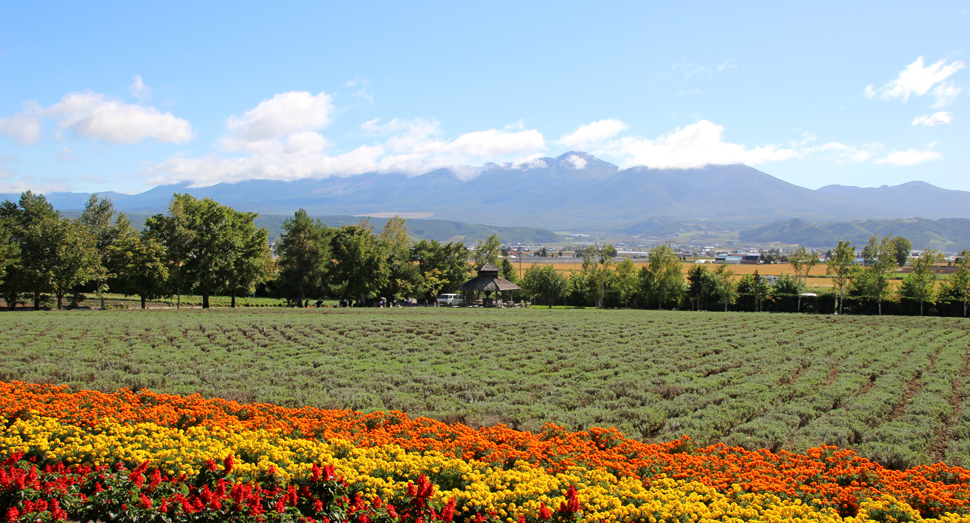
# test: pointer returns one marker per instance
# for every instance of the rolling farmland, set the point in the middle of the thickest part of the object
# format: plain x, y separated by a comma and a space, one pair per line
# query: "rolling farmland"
893, 389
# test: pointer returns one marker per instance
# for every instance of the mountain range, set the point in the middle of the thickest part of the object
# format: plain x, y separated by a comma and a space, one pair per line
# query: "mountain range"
574, 191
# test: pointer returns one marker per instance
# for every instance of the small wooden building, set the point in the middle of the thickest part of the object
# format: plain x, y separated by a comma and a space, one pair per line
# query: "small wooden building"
487, 282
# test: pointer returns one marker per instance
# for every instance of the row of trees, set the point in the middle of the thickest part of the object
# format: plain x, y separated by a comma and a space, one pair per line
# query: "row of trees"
203, 247
602, 282
355, 263
199, 246
872, 279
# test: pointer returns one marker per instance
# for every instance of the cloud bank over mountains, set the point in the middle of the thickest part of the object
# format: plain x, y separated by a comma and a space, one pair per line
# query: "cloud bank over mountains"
284, 137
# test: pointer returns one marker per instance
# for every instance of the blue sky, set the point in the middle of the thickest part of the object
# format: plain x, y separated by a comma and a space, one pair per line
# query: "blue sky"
124, 96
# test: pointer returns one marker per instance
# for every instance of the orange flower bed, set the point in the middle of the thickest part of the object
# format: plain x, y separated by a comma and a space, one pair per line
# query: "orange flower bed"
823, 473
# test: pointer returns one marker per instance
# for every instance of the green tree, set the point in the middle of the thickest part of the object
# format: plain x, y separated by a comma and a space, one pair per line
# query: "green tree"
787, 285
209, 259
75, 260
958, 285
662, 280
450, 260
508, 271
697, 285
175, 232
802, 262
873, 280
250, 259
596, 275
920, 284
34, 226
211, 247
303, 255
359, 267
626, 283
432, 283
839, 266
755, 286
903, 247
545, 282
724, 288
487, 251
138, 265
98, 218
404, 277
9, 251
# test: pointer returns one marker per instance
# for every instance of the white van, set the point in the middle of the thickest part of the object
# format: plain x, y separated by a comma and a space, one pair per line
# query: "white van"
449, 299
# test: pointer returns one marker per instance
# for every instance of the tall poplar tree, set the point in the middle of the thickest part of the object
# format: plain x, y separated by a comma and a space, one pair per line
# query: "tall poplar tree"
662, 279
839, 266
920, 284
873, 280
958, 285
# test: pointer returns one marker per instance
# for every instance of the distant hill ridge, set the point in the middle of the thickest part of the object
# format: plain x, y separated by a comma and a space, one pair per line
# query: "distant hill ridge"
572, 191
948, 235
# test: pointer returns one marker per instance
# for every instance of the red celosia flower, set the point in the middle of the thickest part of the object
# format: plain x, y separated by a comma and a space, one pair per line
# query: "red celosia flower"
544, 513
448, 513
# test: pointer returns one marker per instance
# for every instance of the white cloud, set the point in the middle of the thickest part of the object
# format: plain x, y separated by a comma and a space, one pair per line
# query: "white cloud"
139, 91
909, 157
694, 145
26, 126
842, 153
305, 142
94, 116
272, 119
277, 165
495, 143
938, 118
918, 79
945, 93
576, 161
694, 69
593, 133
409, 146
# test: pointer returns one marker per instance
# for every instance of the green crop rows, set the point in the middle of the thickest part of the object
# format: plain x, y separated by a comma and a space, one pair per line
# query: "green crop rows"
894, 389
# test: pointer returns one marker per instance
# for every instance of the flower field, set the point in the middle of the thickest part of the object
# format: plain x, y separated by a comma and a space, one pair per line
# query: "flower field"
142, 456
893, 390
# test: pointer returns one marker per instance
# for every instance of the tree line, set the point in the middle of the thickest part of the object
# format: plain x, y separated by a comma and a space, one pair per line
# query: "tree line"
866, 280
205, 248
197, 246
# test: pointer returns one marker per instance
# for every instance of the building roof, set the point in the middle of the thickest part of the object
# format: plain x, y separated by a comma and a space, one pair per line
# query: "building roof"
488, 280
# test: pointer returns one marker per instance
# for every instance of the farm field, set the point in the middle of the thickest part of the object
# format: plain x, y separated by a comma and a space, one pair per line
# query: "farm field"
892, 389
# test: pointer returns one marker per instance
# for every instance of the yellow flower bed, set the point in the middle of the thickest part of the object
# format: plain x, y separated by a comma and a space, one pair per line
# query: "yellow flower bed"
385, 471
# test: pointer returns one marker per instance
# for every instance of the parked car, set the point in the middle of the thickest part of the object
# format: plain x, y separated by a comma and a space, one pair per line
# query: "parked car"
449, 299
